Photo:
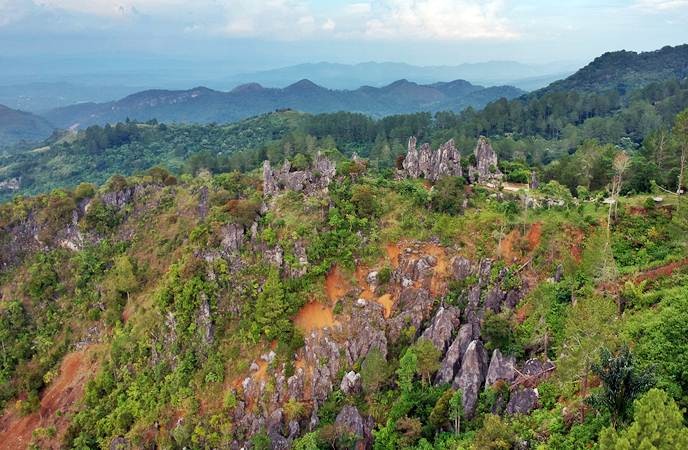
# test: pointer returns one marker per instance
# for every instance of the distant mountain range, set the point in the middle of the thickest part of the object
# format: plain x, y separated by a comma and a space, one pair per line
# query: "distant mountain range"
351, 76
39, 97
622, 71
203, 105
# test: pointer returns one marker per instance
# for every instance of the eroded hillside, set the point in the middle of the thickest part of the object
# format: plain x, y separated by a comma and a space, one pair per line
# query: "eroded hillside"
324, 305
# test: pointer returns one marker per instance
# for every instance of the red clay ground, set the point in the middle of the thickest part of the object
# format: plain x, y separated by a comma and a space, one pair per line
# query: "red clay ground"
61, 395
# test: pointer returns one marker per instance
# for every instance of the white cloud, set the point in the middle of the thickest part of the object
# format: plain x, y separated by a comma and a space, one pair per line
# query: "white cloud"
329, 25
449, 20
660, 5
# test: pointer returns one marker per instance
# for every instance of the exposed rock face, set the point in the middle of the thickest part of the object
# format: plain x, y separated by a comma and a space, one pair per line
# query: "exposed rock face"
485, 169
415, 305
471, 376
351, 383
11, 184
452, 359
501, 368
350, 420
522, 401
432, 165
442, 328
232, 237
461, 268
534, 371
317, 178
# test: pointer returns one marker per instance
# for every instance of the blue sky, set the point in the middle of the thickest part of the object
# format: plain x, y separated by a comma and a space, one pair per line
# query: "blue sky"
245, 35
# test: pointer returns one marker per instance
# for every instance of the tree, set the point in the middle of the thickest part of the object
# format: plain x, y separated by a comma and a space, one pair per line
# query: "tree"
374, 370
681, 130
657, 425
589, 327
456, 410
428, 358
494, 435
272, 307
621, 383
122, 279
439, 416
408, 366
448, 195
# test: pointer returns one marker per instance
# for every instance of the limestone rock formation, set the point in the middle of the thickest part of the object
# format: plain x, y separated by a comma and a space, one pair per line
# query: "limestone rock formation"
452, 359
471, 376
501, 368
432, 165
522, 401
351, 421
351, 383
317, 178
485, 169
442, 327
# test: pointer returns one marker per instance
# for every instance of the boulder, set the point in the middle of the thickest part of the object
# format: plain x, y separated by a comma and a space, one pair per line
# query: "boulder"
522, 401
351, 383
501, 368
232, 237
471, 376
494, 299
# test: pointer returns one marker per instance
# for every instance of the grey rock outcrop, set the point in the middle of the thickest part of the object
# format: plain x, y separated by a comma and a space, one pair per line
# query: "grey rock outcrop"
534, 182
471, 376
522, 401
452, 359
351, 383
350, 421
461, 268
232, 237
317, 178
501, 368
442, 327
485, 169
432, 165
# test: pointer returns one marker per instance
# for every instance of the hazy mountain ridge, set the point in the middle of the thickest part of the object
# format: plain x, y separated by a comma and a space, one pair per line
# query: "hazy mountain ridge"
204, 105
350, 76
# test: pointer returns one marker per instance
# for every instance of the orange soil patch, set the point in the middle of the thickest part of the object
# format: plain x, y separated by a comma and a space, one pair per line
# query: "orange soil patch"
662, 271
577, 245
336, 285
314, 316
438, 285
534, 235
387, 302
60, 396
507, 245
361, 279
393, 251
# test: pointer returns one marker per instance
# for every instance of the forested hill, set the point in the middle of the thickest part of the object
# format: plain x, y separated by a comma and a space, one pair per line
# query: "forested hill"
16, 126
624, 71
202, 105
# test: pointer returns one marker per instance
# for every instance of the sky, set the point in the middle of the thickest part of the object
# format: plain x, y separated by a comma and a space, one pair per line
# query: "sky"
203, 39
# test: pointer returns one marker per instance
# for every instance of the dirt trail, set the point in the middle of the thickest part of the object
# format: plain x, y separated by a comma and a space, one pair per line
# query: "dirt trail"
60, 396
